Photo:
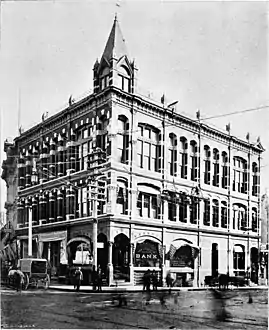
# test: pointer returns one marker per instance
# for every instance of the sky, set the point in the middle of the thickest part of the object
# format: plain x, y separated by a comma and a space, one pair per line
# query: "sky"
211, 56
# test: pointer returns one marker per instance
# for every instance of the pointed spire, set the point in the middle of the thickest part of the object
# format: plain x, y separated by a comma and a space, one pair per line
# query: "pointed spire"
115, 46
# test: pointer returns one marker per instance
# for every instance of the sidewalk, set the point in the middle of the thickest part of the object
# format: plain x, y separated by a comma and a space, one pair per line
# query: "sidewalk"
139, 288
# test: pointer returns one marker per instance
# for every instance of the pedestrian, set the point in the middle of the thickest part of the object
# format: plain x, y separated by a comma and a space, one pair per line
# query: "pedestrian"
219, 306
94, 278
99, 278
154, 278
169, 281
78, 278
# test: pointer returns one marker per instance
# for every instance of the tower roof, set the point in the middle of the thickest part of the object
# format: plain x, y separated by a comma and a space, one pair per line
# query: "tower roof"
115, 46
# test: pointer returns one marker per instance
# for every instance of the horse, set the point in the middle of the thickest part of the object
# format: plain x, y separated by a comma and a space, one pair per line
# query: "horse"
223, 281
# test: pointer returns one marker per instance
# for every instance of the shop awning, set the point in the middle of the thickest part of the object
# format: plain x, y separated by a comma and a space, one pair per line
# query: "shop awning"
148, 190
52, 237
180, 243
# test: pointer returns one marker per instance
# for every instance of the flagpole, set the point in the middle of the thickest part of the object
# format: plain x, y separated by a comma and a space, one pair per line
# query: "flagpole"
228, 129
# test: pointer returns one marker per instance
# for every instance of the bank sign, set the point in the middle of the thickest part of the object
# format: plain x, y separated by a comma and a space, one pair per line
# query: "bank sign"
147, 256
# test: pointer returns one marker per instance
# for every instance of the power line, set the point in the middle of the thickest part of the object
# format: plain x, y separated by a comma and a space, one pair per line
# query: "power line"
236, 112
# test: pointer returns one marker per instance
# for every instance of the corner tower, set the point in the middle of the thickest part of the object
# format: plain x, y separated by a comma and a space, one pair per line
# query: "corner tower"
115, 67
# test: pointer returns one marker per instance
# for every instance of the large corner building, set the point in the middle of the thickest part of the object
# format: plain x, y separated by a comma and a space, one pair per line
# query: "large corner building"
177, 194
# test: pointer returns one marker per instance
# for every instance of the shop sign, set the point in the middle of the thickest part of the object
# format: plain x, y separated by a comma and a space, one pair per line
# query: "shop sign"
151, 256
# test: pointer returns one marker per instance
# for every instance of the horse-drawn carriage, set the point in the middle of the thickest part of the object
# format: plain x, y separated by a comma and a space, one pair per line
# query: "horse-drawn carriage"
35, 272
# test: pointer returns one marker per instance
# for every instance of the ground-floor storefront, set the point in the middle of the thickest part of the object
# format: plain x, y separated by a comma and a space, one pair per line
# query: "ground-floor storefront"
126, 251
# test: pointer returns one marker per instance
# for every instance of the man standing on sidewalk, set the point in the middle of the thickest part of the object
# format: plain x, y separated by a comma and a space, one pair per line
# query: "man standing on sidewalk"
78, 278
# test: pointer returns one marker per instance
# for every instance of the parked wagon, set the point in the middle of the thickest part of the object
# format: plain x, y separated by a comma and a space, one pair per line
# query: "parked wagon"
35, 272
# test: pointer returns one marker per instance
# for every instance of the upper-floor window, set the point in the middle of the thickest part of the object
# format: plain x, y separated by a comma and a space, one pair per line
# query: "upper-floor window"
183, 157
254, 219
224, 215
206, 212
148, 148
215, 213
104, 78
122, 197
255, 179
240, 180
239, 217
124, 76
123, 139
224, 164
215, 180
148, 205
101, 138
194, 160
172, 207
194, 201
172, 154
183, 208
207, 163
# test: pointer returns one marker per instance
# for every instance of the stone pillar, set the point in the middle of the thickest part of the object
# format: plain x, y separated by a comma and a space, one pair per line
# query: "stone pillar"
201, 212
131, 264
60, 157
165, 210
70, 203
51, 207
210, 212
30, 232
44, 163
52, 160
20, 208
28, 170
59, 205
163, 266
21, 172
42, 208
110, 265
35, 211
71, 155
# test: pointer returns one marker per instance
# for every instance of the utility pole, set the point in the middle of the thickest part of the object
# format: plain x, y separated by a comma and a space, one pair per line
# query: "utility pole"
96, 167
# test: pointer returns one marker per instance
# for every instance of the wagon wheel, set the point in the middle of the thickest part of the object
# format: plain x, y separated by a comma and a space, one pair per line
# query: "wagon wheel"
26, 281
47, 281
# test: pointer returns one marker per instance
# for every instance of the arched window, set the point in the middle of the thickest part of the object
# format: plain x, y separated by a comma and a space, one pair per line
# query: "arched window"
148, 147
239, 260
224, 181
239, 217
101, 138
124, 77
184, 157
172, 154
215, 213
207, 162
255, 179
123, 139
194, 161
224, 215
104, 79
240, 180
122, 197
206, 212
254, 218
215, 181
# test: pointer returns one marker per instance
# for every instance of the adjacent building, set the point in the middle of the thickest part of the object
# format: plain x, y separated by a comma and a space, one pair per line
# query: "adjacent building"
175, 194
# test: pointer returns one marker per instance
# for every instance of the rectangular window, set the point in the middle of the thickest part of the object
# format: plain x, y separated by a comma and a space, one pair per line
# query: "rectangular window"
146, 206
207, 213
84, 202
140, 153
154, 207
153, 158
224, 217
146, 159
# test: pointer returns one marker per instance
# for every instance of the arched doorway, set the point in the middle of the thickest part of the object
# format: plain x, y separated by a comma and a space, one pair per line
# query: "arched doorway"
79, 254
214, 260
102, 252
182, 255
121, 257
254, 265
